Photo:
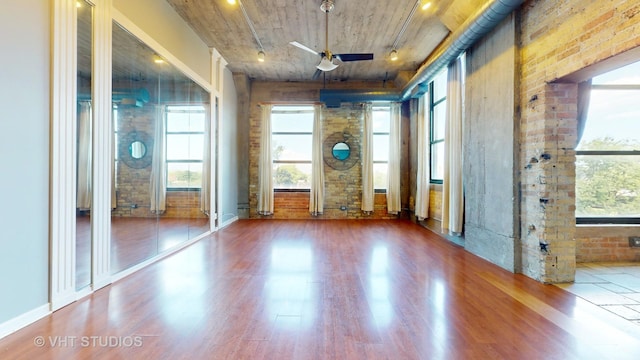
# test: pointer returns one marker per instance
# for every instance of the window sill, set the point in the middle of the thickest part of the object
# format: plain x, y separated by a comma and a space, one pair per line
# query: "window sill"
608, 221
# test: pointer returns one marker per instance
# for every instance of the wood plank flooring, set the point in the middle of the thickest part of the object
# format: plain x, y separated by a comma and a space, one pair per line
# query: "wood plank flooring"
278, 289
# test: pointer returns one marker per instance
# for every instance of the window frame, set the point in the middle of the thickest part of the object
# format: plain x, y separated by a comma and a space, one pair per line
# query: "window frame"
433, 142
183, 161
603, 220
281, 109
387, 109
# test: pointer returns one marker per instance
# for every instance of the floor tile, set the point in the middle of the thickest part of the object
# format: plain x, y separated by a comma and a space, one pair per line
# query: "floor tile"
612, 286
616, 288
596, 294
623, 311
624, 280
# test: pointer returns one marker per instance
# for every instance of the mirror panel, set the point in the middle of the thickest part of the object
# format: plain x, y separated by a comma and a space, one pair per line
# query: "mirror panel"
161, 127
340, 151
84, 146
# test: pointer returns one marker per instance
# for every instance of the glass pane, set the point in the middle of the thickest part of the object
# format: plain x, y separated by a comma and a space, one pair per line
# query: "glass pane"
380, 176
629, 74
380, 147
439, 120
184, 175
437, 161
292, 176
607, 186
185, 147
185, 121
440, 86
381, 120
292, 122
613, 121
291, 147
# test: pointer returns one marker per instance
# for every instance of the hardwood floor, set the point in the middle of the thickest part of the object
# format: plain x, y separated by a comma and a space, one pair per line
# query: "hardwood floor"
270, 289
134, 240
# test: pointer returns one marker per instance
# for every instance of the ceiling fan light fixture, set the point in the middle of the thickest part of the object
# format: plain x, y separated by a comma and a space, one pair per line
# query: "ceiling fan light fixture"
393, 55
261, 56
326, 64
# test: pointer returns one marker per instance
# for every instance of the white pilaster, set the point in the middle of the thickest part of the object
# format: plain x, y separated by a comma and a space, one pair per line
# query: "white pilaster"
63, 149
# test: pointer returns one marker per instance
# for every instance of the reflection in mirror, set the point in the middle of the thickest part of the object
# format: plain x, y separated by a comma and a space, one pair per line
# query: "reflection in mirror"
340, 151
137, 149
159, 203
83, 146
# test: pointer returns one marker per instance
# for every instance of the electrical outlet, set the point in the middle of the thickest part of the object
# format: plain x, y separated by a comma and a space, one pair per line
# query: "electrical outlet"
634, 241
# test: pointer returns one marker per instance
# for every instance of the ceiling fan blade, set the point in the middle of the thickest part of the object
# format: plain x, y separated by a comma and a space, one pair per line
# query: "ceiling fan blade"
353, 57
297, 44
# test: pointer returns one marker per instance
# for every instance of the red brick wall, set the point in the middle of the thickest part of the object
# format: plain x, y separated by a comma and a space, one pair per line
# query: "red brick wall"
606, 243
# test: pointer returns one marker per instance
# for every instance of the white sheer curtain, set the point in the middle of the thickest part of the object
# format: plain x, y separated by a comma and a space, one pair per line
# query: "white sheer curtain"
265, 181
367, 160
422, 176
452, 192
83, 201
205, 190
158, 181
393, 171
316, 196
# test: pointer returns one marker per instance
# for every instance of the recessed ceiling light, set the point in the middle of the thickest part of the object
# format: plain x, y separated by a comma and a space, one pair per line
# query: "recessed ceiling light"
232, 2
426, 5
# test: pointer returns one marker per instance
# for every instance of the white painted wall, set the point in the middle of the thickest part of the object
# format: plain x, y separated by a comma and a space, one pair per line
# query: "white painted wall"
229, 151
158, 19
24, 157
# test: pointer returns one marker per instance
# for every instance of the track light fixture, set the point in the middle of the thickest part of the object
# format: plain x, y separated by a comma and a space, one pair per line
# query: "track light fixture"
393, 55
327, 5
261, 56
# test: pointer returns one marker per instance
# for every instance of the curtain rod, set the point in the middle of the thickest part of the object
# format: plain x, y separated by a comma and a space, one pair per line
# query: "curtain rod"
293, 103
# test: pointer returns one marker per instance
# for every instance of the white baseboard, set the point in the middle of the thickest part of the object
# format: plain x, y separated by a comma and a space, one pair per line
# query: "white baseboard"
18, 322
228, 222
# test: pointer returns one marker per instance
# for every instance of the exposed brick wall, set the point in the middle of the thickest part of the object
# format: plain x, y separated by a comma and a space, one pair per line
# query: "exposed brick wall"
133, 197
342, 187
559, 39
606, 243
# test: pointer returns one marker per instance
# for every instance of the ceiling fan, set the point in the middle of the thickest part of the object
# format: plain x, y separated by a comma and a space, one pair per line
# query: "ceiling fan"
326, 57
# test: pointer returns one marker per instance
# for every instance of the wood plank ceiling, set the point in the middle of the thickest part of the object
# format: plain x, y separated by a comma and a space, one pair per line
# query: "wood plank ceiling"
354, 27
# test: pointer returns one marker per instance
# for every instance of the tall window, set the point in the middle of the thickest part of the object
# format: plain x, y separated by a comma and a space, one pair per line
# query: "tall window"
185, 146
381, 116
291, 138
608, 155
437, 119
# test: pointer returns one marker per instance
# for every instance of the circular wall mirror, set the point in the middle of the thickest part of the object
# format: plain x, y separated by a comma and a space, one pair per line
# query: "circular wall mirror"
137, 149
340, 151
